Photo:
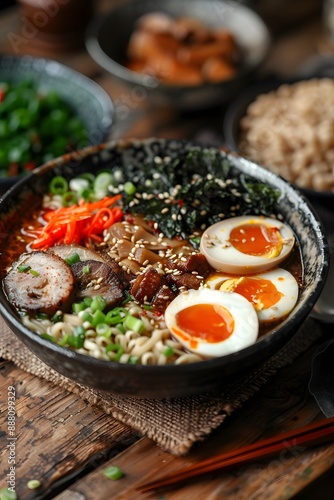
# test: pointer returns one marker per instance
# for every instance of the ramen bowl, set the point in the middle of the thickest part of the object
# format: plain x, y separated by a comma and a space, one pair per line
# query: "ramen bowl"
170, 380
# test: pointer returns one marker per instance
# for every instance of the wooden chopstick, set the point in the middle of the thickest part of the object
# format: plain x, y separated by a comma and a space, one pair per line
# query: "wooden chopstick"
309, 435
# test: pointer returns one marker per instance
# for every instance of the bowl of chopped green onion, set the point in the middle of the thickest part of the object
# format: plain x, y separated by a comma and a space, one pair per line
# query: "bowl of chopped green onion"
46, 110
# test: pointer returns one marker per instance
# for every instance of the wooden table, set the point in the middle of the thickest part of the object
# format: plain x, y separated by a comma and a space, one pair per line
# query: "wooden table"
66, 443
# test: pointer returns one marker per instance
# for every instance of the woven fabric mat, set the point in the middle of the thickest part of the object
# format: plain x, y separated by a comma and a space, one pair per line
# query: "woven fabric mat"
174, 424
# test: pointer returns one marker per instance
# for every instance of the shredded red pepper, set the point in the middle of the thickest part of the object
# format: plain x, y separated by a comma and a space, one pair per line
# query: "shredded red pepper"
77, 223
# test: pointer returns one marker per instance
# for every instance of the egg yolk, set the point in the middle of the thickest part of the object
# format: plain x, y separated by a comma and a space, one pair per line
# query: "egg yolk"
261, 292
257, 239
209, 322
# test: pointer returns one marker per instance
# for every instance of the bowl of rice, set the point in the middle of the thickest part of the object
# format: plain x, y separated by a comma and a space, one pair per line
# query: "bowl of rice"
288, 128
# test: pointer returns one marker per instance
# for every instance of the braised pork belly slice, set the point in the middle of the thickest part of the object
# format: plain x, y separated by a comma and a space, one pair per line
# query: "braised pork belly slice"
39, 282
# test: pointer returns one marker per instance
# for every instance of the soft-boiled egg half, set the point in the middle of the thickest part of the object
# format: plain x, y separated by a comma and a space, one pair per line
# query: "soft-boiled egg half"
247, 244
273, 294
212, 323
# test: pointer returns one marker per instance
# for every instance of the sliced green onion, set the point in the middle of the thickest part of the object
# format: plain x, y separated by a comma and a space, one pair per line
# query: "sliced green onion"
129, 188
147, 307
168, 352
86, 316
72, 259
7, 494
86, 269
33, 272
58, 185
115, 348
133, 360
195, 241
79, 184
87, 195
23, 268
33, 484
102, 182
69, 198
57, 317
79, 330
41, 315
78, 306
88, 176
113, 472
103, 329
134, 324
98, 303
76, 341
116, 315
87, 301
64, 340
121, 328
98, 317
47, 337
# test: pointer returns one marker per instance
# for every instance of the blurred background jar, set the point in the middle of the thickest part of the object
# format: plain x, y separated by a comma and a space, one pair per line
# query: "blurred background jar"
55, 24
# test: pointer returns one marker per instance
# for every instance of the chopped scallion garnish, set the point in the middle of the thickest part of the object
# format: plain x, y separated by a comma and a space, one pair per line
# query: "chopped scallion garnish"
113, 472
72, 259
34, 272
23, 268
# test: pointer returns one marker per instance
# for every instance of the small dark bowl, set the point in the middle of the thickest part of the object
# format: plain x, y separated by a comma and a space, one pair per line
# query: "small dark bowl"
89, 101
107, 38
171, 380
238, 109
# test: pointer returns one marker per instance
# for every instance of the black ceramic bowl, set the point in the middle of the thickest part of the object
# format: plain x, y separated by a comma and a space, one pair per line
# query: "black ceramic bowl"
88, 100
172, 380
107, 38
238, 109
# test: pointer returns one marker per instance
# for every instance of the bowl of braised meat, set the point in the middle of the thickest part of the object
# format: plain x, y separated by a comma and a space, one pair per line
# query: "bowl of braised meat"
157, 268
189, 54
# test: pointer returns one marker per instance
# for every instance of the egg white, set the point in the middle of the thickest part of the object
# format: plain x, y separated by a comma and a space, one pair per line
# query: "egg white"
284, 282
222, 256
246, 324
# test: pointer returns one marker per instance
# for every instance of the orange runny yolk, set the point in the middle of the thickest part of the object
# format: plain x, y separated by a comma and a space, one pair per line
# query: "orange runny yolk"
209, 322
261, 292
257, 239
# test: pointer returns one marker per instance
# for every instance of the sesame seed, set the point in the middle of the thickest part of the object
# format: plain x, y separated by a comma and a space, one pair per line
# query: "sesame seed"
165, 210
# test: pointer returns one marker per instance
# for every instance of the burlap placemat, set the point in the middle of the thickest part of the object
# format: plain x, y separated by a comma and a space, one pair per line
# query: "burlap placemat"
175, 424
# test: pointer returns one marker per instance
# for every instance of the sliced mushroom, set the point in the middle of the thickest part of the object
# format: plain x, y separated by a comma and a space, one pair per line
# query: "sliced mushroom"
39, 282
99, 278
66, 251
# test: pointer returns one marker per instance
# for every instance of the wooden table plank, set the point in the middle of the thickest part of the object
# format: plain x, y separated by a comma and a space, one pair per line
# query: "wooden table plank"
284, 403
57, 433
